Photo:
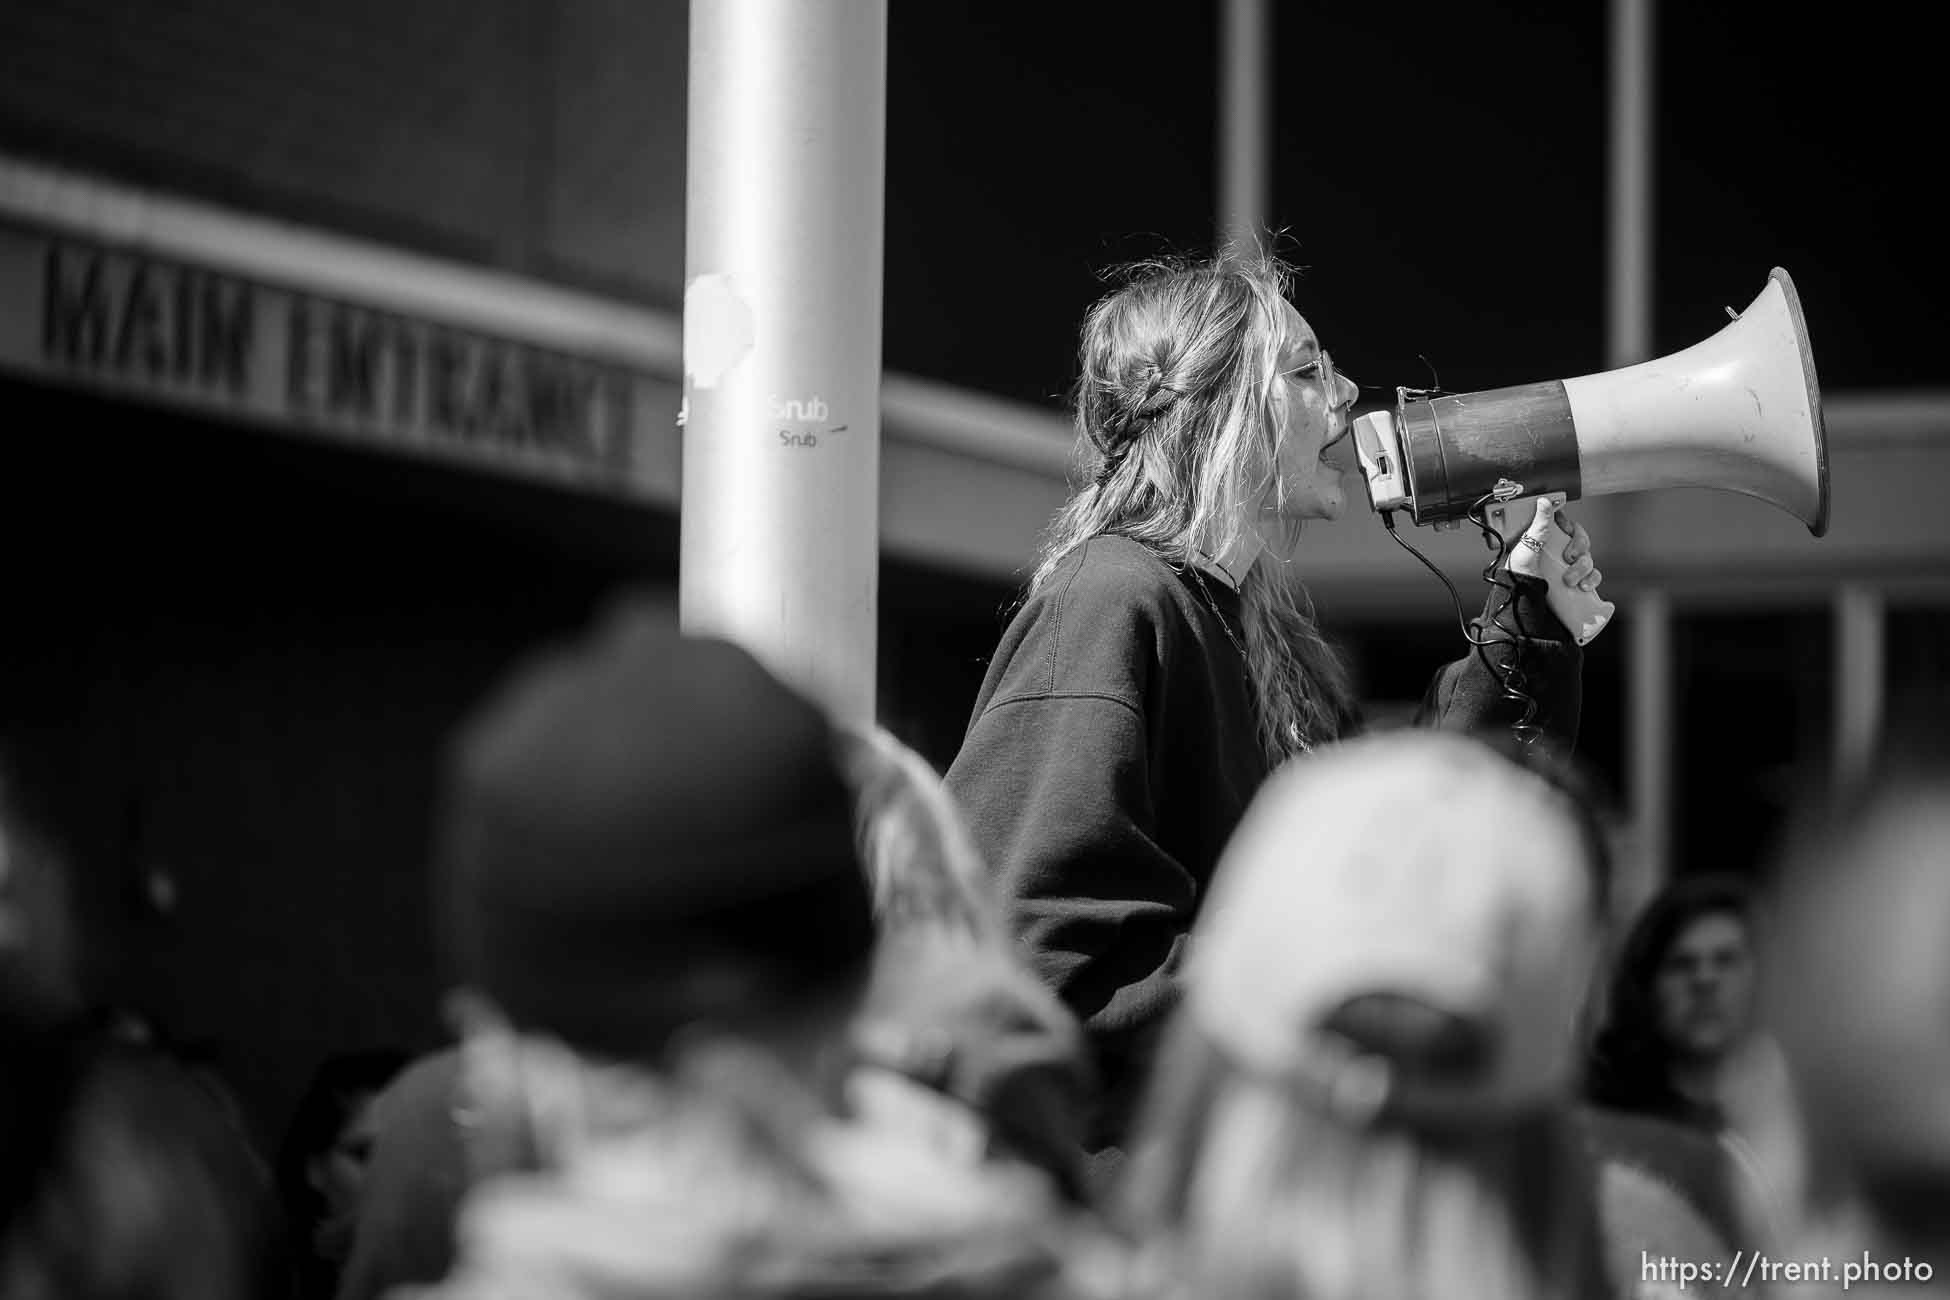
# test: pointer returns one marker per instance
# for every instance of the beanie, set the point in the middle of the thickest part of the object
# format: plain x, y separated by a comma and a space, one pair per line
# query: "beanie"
643, 830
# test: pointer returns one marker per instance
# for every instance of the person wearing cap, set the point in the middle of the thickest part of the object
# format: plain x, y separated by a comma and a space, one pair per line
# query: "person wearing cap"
1166, 656
654, 905
1364, 1091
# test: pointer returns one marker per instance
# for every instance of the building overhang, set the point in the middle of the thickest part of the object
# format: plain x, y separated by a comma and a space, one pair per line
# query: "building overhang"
301, 332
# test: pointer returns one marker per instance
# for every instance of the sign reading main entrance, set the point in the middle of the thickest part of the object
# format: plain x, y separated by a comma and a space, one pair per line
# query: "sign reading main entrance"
102, 318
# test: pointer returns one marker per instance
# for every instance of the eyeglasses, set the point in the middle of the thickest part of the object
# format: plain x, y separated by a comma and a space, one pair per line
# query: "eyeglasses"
1323, 371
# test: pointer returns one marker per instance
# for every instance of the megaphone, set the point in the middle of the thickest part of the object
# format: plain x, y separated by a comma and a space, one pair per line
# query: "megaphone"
1740, 412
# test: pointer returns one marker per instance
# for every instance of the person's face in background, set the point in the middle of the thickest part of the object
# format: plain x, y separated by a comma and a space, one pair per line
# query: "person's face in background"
1313, 401
338, 1174
36, 940
1704, 988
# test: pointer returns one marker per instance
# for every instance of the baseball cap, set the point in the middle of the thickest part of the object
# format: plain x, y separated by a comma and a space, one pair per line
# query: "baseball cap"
1402, 927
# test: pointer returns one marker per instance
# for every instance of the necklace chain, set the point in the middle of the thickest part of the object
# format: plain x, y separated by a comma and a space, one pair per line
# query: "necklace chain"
1225, 625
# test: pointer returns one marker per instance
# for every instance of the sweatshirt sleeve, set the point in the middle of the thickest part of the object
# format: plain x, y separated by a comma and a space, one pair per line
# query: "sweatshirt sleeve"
1056, 788
1467, 696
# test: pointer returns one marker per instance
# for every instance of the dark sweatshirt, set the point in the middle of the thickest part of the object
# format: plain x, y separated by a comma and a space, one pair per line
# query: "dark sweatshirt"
1112, 751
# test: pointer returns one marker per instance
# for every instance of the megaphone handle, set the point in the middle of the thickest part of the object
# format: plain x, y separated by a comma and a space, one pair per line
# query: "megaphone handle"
1536, 555
1585, 613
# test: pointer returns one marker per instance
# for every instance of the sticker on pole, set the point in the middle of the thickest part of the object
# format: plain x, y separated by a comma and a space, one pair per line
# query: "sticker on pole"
718, 330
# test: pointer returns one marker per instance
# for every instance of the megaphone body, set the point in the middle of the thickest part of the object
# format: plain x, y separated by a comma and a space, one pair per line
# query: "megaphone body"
1740, 411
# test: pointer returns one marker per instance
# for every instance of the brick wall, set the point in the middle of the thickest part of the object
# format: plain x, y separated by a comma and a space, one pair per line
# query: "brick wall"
544, 136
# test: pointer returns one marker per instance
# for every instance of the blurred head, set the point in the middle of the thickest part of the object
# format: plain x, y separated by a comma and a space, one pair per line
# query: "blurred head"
645, 842
1205, 405
39, 1065
36, 931
1859, 995
120, 1174
1364, 1091
147, 1192
771, 1098
321, 1163
1682, 992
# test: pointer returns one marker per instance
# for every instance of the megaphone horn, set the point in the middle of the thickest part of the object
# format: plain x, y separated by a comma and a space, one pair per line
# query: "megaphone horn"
1740, 411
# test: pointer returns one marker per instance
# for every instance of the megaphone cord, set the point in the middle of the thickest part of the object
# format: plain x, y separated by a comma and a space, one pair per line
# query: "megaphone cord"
1497, 574
1509, 679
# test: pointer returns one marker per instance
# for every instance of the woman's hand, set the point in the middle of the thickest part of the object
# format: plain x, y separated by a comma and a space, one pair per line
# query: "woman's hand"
1557, 543
1580, 570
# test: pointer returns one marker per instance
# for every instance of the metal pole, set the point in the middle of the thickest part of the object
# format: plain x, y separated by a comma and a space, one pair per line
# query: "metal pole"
1245, 114
1648, 688
1858, 677
1628, 336
784, 232
1628, 340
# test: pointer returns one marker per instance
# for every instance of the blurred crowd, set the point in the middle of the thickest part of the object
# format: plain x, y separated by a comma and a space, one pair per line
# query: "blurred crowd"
738, 1011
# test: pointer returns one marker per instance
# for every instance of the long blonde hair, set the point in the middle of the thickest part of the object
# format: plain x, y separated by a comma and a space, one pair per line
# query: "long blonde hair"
925, 872
1243, 1189
1177, 444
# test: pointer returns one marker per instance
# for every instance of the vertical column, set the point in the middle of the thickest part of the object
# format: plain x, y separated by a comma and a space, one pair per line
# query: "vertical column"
1859, 677
1628, 225
1628, 340
784, 231
1648, 699
1245, 116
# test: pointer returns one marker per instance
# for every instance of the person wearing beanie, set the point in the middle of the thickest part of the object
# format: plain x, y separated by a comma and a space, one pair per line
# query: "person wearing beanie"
1365, 1090
645, 831
638, 832
655, 908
